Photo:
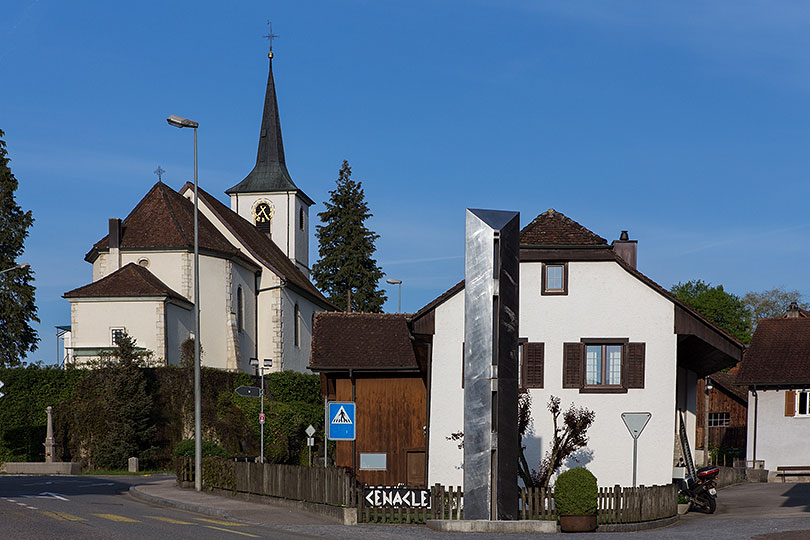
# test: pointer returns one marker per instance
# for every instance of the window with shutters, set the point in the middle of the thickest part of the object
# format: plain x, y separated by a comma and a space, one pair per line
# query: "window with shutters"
603, 365
532, 364
555, 279
802, 403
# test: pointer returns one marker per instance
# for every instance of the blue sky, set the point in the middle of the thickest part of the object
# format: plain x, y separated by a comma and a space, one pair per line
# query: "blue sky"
685, 123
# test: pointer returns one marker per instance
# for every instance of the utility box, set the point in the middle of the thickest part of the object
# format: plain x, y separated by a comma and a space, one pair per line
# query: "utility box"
133, 464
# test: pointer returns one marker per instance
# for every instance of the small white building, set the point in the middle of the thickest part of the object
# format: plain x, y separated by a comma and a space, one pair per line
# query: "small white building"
595, 332
776, 371
256, 299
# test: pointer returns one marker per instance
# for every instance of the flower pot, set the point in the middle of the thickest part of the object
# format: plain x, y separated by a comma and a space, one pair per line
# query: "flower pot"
581, 523
683, 508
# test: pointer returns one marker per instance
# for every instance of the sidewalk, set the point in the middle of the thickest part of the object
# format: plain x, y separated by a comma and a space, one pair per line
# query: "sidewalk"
168, 493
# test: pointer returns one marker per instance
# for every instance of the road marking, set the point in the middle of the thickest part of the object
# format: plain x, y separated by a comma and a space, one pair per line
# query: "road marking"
170, 520
63, 516
115, 517
95, 485
219, 522
48, 494
230, 531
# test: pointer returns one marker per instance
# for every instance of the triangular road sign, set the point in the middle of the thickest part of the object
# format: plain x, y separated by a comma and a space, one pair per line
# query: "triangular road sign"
635, 422
341, 417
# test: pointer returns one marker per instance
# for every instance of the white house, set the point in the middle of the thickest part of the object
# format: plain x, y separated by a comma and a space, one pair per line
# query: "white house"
594, 331
776, 371
256, 300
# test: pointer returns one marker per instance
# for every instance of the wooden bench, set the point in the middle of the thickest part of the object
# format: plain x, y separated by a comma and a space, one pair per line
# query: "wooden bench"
792, 471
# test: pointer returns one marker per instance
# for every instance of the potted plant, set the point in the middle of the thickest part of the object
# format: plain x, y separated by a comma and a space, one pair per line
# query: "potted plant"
575, 498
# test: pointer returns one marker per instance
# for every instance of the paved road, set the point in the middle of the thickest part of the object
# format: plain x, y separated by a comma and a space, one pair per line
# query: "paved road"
85, 507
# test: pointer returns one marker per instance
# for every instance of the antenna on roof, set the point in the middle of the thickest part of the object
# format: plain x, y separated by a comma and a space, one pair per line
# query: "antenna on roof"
159, 172
270, 36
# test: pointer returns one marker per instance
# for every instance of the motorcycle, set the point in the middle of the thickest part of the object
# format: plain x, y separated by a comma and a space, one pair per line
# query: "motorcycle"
702, 491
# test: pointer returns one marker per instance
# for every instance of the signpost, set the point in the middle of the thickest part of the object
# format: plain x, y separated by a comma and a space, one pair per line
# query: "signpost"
340, 421
635, 422
249, 391
261, 418
310, 431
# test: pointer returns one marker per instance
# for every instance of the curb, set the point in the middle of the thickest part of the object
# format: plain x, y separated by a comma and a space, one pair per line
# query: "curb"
136, 492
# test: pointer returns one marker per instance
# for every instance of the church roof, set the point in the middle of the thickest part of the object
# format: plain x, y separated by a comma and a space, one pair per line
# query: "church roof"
260, 245
361, 341
164, 219
130, 280
551, 228
270, 172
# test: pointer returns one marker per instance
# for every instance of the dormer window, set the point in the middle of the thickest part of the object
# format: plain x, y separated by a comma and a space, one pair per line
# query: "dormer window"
555, 279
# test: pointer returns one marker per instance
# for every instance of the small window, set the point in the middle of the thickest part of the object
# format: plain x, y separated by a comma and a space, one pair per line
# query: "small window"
719, 419
373, 462
297, 326
240, 310
802, 403
116, 334
603, 365
301, 218
143, 261
555, 279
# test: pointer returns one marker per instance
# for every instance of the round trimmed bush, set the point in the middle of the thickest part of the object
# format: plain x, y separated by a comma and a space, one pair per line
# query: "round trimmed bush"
185, 448
576, 492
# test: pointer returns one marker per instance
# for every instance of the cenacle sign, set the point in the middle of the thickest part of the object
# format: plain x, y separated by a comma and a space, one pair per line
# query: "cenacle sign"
394, 497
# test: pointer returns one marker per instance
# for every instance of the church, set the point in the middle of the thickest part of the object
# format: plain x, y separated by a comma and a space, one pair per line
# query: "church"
256, 298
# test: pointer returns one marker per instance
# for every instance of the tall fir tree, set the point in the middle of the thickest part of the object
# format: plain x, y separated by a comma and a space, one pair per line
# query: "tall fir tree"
17, 308
346, 249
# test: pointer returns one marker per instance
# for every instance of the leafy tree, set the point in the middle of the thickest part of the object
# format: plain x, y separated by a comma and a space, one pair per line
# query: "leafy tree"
772, 303
568, 438
346, 249
724, 309
17, 308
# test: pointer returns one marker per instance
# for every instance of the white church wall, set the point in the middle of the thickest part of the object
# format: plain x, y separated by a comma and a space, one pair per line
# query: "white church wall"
301, 236
603, 301
296, 355
285, 218
179, 326
214, 311
246, 279
174, 268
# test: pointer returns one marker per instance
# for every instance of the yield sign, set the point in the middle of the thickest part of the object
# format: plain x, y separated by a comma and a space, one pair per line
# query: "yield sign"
635, 422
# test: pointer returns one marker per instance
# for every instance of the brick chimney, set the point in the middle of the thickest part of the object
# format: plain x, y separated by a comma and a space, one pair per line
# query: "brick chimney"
115, 245
626, 248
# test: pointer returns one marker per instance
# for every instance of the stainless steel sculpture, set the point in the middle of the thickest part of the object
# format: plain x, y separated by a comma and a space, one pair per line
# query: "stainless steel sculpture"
491, 300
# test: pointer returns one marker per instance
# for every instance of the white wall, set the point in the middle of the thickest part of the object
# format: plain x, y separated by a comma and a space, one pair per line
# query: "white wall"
781, 440
174, 268
603, 301
179, 326
296, 357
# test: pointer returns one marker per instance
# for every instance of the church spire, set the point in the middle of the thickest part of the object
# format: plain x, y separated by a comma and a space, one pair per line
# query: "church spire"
270, 173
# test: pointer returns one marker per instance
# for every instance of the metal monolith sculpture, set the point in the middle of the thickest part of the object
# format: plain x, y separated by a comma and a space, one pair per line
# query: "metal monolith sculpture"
491, 301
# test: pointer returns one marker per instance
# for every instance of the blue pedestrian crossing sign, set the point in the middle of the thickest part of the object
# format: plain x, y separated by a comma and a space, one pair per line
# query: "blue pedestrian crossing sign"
340, 421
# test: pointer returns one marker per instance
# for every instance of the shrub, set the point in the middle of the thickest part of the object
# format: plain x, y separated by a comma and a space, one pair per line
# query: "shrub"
576, 493
185, 448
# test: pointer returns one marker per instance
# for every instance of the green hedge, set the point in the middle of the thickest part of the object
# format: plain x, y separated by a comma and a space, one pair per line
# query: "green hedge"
576, 493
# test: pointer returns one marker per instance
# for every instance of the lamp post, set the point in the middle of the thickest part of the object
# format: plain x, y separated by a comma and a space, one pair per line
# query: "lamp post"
18, 267
398, 282
268, 362
179, 122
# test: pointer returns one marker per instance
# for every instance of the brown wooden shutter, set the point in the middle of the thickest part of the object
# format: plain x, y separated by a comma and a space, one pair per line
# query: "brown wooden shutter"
535, 365
633, 365
573, 358
790, 403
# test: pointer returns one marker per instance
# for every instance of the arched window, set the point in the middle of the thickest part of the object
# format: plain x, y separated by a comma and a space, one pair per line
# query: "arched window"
297, 326
240, 310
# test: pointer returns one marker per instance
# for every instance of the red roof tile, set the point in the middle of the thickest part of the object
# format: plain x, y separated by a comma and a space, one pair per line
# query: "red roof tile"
779, 354
551, 228
165, 219
361, 341
131, 280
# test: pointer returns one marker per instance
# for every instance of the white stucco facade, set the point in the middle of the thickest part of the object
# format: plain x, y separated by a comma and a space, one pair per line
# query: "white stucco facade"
781, 440
603, 301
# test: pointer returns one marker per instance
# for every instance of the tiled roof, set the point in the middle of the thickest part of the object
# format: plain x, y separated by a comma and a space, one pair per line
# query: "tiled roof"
779, 354
551, 228
361, 341
131, 280
260, 245
729, 382
164, 219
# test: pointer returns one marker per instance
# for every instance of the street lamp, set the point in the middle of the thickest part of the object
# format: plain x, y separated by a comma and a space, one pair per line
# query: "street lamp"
399, 295
18, 267
179, 122
268, 362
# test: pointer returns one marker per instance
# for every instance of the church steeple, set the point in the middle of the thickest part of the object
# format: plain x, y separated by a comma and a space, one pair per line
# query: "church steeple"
270, 173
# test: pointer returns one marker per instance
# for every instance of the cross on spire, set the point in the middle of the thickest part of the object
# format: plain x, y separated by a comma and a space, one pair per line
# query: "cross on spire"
270, 36
159, 172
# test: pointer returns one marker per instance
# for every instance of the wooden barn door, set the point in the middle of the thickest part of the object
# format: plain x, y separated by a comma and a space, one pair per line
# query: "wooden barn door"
415, 467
